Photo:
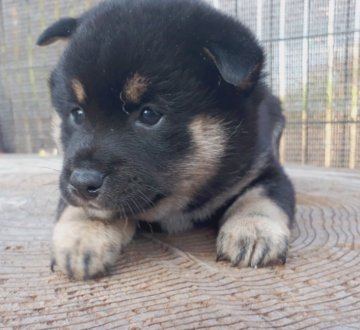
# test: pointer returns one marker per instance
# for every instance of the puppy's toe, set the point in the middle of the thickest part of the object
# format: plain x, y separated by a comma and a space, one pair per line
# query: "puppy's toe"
236, 249
84, 248
81, 264
253, 242
267, 251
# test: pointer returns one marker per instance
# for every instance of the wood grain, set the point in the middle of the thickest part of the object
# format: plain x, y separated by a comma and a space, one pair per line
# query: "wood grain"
168, 282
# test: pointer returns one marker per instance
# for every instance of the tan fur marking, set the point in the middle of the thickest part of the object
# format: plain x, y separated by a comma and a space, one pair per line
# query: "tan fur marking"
210, 55
75, 236
248, 82
79, 90
220, 199
55, 39
209, 140
256, 202
256, 220
98, 214
135, 87
209, 145
173, 220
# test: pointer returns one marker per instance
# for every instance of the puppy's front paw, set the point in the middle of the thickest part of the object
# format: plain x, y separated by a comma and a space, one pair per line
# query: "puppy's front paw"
253, 241
84, 248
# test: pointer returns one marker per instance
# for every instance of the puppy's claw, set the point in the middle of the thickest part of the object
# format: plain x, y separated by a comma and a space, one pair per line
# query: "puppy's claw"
234, 264
68, 266
283, 258
243, 251
260, 252
87, 261
107, 268
220, 257
52, 265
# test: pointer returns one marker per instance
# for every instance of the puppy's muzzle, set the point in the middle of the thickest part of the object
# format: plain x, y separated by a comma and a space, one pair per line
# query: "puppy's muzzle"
86, 183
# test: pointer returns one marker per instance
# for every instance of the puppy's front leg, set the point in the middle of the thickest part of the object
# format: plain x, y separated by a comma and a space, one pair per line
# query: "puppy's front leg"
255, 230
84, 248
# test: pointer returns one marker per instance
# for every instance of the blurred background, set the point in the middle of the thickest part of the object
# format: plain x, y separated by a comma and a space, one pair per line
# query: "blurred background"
312, 64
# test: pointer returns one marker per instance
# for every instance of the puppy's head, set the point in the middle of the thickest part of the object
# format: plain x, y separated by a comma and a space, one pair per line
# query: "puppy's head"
151, 95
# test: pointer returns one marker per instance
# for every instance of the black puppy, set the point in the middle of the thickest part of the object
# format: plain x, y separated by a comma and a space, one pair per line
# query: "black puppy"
165, 118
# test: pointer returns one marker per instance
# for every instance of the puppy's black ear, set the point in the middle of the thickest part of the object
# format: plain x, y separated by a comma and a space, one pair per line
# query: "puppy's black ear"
62, 29
239, 63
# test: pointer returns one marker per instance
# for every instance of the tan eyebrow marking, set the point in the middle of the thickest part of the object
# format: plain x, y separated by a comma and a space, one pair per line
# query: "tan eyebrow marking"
209, 54
135, 87
79, 90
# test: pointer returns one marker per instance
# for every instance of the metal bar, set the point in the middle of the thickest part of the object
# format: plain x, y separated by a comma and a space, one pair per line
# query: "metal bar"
271, 45
354, 145
342, 150
259, 17
323, 122
282, 69
305, 86
2, 29
56, 10
22, 68
312, 35
329, 84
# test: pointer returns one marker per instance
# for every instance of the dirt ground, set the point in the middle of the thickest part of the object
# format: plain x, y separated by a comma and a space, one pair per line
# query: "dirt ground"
173, 282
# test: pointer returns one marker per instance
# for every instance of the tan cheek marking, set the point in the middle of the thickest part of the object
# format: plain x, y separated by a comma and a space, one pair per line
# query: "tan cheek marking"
209, 140
135, 87
79, 90
198, 167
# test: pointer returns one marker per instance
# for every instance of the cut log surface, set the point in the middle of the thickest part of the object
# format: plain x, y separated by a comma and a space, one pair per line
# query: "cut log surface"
173, 282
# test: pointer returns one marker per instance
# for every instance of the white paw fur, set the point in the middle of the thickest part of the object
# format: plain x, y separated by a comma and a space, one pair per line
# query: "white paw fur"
83, 248
254, 232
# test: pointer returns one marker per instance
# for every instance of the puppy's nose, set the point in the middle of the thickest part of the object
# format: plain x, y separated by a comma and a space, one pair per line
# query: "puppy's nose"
86, 182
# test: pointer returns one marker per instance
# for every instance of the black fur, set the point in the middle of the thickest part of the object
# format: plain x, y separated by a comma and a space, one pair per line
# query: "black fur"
64, 28
196, 62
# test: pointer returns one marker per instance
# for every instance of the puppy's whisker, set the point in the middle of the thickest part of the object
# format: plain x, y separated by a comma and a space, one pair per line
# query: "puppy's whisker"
145, 198
122, 213
51, 183
130, 208
49, 168
152, 191
140, 210
151, 188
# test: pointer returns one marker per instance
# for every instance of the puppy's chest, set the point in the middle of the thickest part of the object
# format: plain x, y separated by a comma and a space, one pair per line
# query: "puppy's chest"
207, 215
194, 214
172, 224
177, 223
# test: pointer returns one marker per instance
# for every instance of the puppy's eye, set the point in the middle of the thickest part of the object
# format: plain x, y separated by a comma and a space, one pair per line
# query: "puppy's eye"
149, 116
78, 115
